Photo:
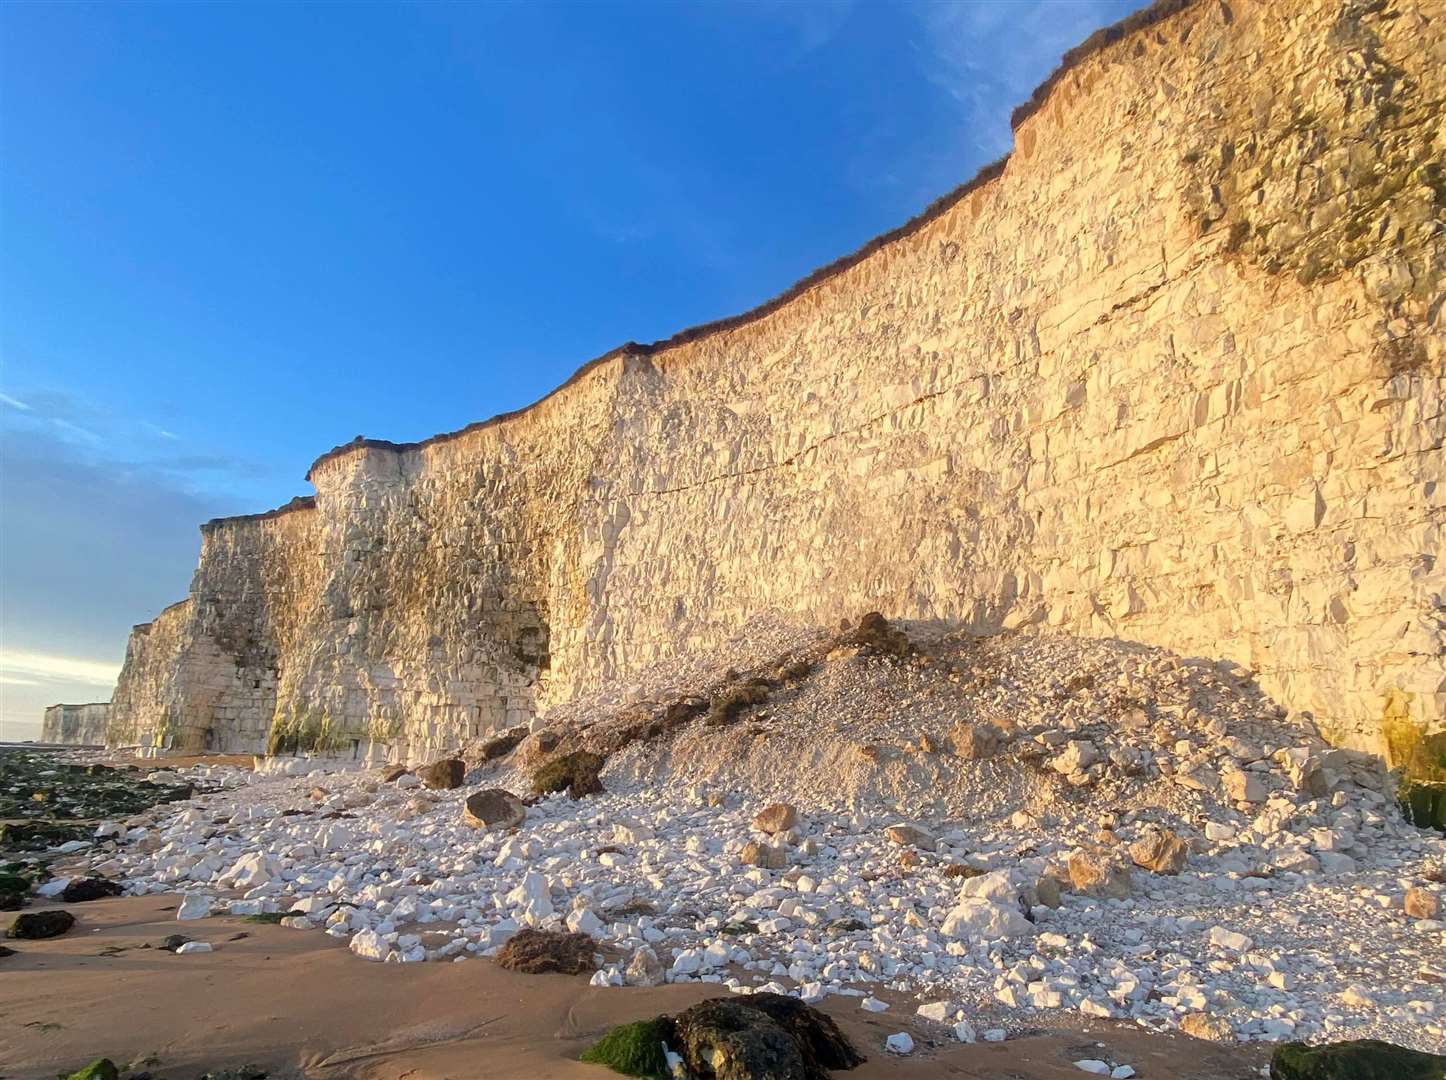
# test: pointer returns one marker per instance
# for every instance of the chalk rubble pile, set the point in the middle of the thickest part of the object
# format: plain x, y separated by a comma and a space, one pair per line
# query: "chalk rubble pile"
1039, 824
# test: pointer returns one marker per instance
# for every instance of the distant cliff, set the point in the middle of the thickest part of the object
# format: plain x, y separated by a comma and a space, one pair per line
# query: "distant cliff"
76, 725
1172, 372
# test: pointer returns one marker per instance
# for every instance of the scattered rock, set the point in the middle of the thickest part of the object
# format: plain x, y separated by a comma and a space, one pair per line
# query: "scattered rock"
534, 952
644, 968
985, 920
1099, 875
976, 741
1204, 1026
82, 890
173, 942
370, 945
764, 855
193, 947
1242, 786
443, 775
912, 836
1359, 1059
1421, 904
901, 1042
777, 818
1160, 851
493, 808
392, 773
34, 925
194, 906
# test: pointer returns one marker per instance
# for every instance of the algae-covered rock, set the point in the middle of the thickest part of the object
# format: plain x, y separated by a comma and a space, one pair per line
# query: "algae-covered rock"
1359, 1059
576, 773
41, 924
99, 1069
634, 1049
762, 1037
443, 775
82, 890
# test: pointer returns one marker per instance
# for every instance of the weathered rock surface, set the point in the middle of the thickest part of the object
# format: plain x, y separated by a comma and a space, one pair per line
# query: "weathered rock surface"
1160, 851
493, 808
777, 818
1170, 375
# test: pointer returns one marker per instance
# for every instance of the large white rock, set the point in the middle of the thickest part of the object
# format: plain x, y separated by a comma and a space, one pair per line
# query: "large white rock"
369, 945
252, 870
532, 897
194, 906
985, 920
995, 886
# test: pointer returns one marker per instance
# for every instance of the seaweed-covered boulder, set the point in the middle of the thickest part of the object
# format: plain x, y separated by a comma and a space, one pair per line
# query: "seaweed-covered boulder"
538, 952
876, 636
99, 1069
761, 1037
393, 773
1358, 1059
575, 773
14, 890
498, 746
493, 808
443, 775
634, 1049
40, 924
81, 890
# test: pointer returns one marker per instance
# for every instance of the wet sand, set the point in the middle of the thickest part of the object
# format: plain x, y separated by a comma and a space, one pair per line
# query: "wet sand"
300, 1004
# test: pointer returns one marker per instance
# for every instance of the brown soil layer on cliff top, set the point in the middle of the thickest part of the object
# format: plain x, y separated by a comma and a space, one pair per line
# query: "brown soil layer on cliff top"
303, 1006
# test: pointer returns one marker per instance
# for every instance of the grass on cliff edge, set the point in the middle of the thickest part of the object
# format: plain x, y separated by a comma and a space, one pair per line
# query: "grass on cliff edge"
634, 1049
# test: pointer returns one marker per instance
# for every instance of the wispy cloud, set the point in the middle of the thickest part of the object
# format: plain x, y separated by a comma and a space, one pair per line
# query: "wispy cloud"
158, 432
988, 56
14, 403
30, 668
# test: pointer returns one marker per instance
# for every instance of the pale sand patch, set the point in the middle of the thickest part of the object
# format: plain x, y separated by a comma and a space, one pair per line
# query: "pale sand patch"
301, 1004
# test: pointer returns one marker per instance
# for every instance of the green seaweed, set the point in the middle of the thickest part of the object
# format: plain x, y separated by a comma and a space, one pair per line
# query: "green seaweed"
634, 1049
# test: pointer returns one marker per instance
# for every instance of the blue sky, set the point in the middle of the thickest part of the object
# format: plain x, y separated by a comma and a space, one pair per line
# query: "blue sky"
235, 235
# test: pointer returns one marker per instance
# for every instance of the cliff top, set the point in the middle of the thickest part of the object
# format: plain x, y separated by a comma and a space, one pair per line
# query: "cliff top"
1135, 23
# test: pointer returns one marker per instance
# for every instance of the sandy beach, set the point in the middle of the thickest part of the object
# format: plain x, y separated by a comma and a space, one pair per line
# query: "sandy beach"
300, 1005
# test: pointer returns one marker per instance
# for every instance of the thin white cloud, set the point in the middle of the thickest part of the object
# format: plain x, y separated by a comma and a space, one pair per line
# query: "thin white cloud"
159, 432
75, 430
14, 403
21, 668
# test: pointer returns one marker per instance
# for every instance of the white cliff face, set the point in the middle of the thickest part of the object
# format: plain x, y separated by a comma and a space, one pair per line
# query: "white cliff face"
75, 725
1175, 376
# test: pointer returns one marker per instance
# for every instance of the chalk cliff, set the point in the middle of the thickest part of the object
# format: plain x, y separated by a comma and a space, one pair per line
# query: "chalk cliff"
1171, 372
75, 725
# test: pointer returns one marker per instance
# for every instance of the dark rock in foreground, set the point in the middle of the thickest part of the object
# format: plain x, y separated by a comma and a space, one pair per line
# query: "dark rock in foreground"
1359, 1059
41, 924
762, 1037
535, 952
81, 890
